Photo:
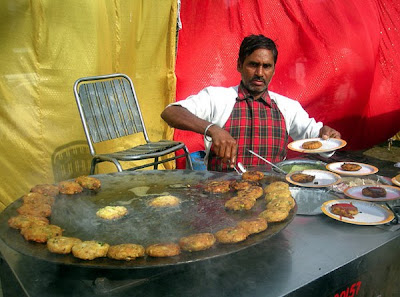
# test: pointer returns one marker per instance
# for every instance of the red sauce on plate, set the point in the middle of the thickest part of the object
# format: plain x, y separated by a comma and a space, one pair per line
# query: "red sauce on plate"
346, 205
347, 210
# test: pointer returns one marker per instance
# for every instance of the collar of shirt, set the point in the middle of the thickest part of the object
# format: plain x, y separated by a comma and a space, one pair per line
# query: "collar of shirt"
244, 94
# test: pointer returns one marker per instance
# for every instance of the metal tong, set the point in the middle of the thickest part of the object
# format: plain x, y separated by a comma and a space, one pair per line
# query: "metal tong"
266, 161
241, 169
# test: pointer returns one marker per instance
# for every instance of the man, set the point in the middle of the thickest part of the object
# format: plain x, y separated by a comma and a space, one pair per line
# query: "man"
247, 116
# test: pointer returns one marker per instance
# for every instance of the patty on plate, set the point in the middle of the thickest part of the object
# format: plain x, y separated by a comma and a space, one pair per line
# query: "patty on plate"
312, 145
350, 167
302, 177
344, 210
374, 192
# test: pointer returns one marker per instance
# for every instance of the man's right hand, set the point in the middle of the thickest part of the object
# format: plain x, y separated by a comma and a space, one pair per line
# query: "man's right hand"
223, 144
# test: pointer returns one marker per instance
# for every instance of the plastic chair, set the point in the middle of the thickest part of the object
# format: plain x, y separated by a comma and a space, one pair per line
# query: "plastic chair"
109, 109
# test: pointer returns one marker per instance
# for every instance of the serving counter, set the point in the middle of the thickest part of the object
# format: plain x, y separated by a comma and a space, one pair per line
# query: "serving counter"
313, 256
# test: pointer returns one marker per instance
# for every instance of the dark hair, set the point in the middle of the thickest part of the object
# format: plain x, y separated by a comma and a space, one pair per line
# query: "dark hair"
255, 42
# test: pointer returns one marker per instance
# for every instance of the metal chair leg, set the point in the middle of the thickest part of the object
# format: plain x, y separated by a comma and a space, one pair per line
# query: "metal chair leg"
156, 163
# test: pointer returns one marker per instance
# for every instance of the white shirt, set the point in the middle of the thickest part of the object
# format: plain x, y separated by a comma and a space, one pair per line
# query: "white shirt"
215, 104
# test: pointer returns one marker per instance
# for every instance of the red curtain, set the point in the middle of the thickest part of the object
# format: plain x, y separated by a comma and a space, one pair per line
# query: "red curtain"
337, 58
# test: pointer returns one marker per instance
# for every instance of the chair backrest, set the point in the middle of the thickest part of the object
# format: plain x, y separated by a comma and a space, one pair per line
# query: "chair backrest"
108, 108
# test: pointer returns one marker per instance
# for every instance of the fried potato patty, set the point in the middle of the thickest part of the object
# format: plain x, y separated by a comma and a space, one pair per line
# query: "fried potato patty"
112, 212
23, 221
344, 210
69, 187
89, 250
312, 145
40, 233
240, 203
302, 177
37, 198
231, 235
38, 210
350, 167
374, 192
126, 251
88, 182
165, 201
277, 195
46, 189
197, 242
253, 175
243, 184
254, 192
253, 226
62, 244
163, 250
221, 186
274, 186
285, 202
274, 215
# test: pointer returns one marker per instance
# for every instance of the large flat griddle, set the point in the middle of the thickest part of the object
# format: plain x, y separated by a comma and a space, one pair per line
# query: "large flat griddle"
145, 225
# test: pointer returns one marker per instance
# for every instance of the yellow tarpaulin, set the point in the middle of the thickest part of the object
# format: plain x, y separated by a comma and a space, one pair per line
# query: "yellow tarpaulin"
45, 46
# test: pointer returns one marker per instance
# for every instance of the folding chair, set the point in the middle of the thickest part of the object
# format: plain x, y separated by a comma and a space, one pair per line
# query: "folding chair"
109, 109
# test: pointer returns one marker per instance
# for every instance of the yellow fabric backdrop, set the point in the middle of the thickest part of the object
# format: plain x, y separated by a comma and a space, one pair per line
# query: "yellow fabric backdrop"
45, 46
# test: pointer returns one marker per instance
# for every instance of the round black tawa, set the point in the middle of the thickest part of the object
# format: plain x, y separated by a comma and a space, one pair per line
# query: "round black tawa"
198, 212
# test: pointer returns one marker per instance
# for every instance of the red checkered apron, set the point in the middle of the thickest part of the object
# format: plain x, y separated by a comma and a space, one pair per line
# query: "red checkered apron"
257, 125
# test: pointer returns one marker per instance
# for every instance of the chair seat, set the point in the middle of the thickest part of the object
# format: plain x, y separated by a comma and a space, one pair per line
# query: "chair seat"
144, 151
109, 109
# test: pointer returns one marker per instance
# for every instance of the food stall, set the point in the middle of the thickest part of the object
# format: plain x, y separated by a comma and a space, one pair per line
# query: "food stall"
307, 255
310, 253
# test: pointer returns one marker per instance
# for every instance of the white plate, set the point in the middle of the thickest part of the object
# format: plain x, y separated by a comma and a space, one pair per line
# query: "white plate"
369, 213
322, 178
328, 145
396, 181
365, 169
392, 193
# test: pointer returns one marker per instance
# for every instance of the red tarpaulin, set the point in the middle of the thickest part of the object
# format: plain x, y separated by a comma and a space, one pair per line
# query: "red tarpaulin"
338, 58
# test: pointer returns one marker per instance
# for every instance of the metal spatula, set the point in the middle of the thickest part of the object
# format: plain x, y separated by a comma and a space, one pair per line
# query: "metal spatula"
266, 161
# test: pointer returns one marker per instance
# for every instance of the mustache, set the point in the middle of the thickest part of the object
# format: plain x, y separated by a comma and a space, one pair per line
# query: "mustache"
258, 78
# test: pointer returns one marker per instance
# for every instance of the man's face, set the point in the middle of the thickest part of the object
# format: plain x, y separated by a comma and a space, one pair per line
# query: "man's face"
257, 71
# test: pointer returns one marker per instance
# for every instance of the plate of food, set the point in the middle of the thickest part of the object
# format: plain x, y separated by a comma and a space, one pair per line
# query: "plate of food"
357, 212
366, 180
373, 193
396, 180
313, 178
316, 145
351, 168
